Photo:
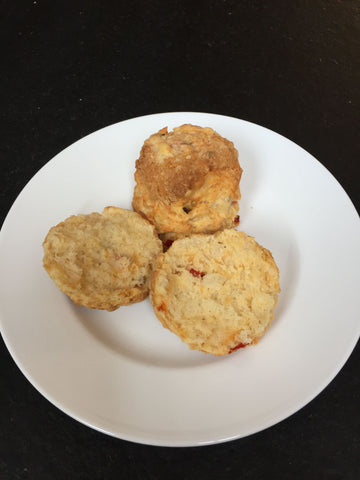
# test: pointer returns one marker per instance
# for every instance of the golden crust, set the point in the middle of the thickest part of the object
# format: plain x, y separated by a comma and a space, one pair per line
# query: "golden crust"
103, 260
187, 181
216, 292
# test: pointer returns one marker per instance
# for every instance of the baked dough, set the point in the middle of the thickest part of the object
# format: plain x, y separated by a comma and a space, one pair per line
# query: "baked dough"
187, 181
103, 260
216, 292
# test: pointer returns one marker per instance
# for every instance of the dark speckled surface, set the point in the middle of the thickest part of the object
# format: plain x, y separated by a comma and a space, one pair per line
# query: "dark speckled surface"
71, 67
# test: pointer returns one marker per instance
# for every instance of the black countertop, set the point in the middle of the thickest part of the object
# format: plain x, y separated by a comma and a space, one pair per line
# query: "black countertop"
70, 68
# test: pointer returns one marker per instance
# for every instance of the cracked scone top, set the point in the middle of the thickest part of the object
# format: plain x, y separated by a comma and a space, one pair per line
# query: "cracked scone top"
216, 292
187, 181
103, 260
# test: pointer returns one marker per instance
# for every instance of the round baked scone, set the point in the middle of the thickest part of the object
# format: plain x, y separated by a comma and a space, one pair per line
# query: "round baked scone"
187, 181
103, 260
216, 292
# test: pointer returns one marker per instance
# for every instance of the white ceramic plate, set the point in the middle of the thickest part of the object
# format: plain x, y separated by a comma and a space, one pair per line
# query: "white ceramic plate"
122, 373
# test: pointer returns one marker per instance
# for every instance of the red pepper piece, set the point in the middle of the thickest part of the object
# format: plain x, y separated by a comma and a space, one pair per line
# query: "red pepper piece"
196, 273
240, 345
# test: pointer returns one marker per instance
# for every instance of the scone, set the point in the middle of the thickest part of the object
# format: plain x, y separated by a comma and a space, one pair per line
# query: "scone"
103, 260
216, 292
187, 181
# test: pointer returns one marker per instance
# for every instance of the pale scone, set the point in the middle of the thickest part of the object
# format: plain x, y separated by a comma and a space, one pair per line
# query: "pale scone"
103, 260
216, 292
187, 181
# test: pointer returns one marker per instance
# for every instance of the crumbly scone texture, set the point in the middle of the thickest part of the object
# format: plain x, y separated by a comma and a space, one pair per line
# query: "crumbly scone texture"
187, 181
216, 292
103, 260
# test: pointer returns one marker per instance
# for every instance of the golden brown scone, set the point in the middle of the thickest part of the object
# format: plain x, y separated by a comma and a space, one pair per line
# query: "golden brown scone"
216, 292
102, 260
187, 181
